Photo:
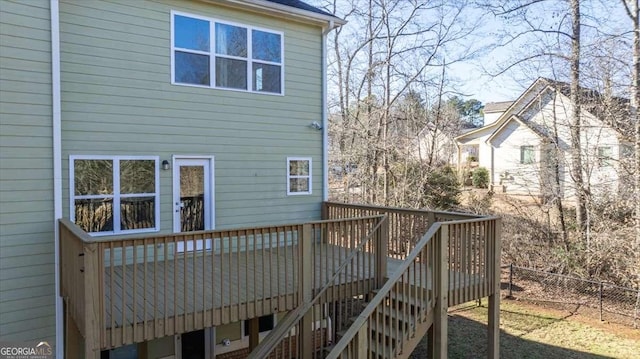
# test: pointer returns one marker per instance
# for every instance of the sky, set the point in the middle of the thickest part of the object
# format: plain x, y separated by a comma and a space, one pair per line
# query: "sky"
471, 76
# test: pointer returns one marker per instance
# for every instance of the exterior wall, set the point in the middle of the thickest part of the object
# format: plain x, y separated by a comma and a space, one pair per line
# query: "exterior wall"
444, 147
553, 113
27, 289
518, 178
477, 141
118, 100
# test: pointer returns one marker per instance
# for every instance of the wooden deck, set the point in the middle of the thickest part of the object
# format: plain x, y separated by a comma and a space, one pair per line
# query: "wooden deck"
219, 287
238, 288
125, 290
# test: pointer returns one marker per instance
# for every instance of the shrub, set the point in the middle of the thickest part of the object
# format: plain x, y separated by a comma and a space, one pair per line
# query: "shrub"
480, 178
441, 188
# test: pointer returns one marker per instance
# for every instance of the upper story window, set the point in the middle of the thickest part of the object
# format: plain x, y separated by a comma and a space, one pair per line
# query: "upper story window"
527, 155
212, 53
605, 156
298, 175
114, 194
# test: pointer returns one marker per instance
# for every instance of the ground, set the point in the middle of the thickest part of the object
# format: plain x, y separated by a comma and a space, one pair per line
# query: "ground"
531, 331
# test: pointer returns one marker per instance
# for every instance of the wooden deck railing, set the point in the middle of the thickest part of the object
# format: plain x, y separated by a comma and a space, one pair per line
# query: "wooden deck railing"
453, 262
306, 321
127, 290
406, 226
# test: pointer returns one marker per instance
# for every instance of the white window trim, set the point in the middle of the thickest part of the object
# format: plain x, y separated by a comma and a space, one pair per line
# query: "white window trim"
289, 176
116, 192
212, 54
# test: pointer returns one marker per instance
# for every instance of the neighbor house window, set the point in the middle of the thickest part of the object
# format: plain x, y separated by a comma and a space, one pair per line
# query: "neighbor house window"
604, 156
527, 154
298, 175
212, 53
114, 194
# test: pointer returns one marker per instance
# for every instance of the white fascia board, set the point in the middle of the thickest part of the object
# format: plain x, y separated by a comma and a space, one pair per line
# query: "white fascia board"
281, 10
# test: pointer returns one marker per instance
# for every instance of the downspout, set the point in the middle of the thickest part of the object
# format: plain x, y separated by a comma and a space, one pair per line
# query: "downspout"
325, 116
57, 167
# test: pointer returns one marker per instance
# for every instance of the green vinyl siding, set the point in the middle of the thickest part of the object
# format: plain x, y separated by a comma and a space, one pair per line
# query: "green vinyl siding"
117, 99
27, 289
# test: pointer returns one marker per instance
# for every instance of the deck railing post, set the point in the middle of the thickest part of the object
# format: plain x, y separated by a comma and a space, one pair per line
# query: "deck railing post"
494, 298
324, 211
92, 297
441, 288
431, 219
382, 252
305, 336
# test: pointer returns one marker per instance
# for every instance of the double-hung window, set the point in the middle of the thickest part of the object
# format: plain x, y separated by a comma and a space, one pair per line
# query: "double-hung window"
114, 194
605, 156
298, 175
527, 155
212, 53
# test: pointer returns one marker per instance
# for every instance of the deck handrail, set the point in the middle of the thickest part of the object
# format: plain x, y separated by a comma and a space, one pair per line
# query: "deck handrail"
440, 287
87, 238
292, 318
403, 210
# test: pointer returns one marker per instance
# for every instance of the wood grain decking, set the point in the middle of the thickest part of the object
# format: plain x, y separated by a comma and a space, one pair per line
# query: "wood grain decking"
208, 283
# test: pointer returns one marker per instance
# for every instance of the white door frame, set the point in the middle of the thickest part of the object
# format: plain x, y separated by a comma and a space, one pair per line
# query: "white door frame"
209, 195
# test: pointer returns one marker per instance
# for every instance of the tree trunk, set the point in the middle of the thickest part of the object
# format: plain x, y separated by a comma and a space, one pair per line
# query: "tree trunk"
576, 147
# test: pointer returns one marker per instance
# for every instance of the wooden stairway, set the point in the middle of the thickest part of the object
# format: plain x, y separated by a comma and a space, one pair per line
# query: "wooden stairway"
398, 326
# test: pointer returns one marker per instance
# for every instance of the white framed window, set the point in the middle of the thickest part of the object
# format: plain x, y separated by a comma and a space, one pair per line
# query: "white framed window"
298, 175
605, 158
115, 194
218, 54
527, 155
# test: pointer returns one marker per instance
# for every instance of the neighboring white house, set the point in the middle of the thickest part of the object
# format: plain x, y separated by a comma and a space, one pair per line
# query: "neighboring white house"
522, 141
436, 145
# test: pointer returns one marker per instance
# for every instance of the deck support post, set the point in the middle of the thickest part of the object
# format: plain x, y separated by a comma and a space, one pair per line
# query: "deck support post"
441, 287
493, 327
254, 332
305, 336
92, 298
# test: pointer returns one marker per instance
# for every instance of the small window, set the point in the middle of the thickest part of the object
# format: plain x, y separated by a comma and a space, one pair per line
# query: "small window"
110, 195
604, 157
298, 175
211, 53
265, 324
527, 155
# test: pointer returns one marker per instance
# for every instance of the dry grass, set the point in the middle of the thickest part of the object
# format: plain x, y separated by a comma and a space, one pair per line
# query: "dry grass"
529, 331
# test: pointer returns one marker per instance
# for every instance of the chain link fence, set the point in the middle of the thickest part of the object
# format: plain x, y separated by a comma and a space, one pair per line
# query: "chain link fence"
598, 299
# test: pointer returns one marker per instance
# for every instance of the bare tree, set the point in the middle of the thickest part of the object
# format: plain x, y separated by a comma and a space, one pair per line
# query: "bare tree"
633, 11
388, 47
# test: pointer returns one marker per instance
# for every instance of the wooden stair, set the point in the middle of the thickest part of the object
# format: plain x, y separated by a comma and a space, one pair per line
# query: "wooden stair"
395, 330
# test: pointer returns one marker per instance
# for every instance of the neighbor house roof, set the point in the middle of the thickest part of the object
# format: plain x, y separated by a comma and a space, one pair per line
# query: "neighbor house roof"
612, 110
497, 106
